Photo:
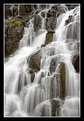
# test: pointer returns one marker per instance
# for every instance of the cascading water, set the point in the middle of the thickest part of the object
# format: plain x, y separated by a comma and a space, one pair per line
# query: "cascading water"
42, 97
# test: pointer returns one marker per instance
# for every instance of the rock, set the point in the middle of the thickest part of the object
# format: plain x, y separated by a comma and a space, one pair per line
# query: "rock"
71, 6
43, 14
75, 62
34, 62
70, 19
73, 31
57, 76
42, 74
62, 80
13, 35
43, 45
49, 37
51, 13
59, 9
32, 75
51, 23
53, 64
7, 11
55, 107
37, 23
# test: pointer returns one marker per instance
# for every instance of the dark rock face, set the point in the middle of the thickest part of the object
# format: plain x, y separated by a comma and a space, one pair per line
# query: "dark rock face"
43, 45
51, 20
37, 23
70, 19
32, 75
53, 64
7, 11
71, 6
34, 62
75, 62
55, 107
59, 9
51, 23
49, 37
13, 34
57, 76
73, 31
62, 80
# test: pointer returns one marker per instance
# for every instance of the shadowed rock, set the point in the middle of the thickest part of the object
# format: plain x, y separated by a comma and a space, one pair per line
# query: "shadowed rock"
62, 80
75, 62
34, 62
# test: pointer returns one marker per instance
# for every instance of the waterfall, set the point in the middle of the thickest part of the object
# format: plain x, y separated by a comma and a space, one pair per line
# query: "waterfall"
55, 89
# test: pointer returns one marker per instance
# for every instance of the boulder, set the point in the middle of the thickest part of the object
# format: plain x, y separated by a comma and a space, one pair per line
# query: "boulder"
51, 23
13, 35
49, 37
62, 80
75, 61
34, 62
43, 45
70, 19
57, 76
55, 107
53, 64
7, 11
37, 23
71, 6
32, 75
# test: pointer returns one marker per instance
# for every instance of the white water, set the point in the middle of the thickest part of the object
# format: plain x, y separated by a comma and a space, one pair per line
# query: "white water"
23, 98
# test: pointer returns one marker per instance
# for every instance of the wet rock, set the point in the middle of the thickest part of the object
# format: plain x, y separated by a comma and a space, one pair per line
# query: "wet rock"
43, 45
55, 107
70, 19
43, 14
57, 76
51, 13
75, 62
73, 31
53, 64
42, 74
49, 37
51, 23
37, 23
7, 11
71, 6
32, 75
34, 62
62, 80
13, 35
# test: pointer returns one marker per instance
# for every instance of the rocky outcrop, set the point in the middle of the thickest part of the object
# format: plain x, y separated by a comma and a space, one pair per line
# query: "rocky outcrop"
32, 75
59, 9
7, 11
49, 37
75, 62
51, 20
13, 34
34, 62
70, 19
71, 6
53, 64
37, 23
55, 107
62, 80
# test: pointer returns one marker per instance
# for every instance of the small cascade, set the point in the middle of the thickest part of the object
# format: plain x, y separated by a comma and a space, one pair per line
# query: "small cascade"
49, 85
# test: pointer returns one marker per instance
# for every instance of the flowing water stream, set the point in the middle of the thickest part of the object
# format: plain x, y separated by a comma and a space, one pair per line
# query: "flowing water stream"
24, 98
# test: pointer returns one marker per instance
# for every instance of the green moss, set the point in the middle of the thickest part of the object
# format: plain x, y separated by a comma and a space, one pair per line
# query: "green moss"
16, 22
